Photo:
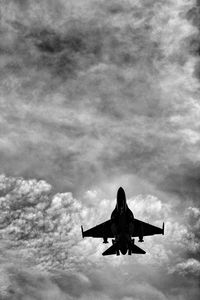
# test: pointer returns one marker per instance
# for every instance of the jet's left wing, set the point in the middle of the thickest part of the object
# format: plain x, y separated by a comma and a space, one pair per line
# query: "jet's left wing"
102, 230
144, 229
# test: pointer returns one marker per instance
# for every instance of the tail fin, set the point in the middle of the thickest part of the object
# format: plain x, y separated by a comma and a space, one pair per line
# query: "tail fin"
112, 250
137, 250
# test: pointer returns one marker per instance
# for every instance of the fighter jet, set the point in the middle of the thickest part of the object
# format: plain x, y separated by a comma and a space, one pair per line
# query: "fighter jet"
122, 227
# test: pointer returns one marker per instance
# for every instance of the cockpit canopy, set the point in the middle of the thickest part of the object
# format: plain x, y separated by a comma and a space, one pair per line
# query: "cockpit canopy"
121, 200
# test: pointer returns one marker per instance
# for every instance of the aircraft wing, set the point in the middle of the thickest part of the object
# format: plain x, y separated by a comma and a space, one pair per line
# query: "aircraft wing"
144, 229
100, 231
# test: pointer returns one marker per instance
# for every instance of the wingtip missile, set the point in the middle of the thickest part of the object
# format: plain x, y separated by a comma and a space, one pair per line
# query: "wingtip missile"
163, 228
82, 231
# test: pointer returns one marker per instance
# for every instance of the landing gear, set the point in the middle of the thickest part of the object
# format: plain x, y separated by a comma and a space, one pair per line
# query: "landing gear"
115, 240
141, 234
140, 239
117, 252
105, 240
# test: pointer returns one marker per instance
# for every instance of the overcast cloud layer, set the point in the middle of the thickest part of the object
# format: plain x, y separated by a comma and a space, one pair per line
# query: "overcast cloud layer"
95, 95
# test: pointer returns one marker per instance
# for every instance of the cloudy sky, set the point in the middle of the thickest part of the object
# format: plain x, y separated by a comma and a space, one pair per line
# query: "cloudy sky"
97, 94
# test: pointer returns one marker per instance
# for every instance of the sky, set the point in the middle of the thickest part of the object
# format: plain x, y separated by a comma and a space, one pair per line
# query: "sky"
94, 95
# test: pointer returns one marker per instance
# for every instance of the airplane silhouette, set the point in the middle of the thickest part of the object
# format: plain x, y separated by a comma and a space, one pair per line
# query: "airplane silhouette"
122, 227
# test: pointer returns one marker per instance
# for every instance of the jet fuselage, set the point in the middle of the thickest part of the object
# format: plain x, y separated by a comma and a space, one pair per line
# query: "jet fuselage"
122, 222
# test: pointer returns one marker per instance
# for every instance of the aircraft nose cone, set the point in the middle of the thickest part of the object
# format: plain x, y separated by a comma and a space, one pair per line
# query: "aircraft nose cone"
121, 192
121, 198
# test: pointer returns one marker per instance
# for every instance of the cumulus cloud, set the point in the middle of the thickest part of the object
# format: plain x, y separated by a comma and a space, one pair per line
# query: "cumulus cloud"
40, 230
39, 222
191, 266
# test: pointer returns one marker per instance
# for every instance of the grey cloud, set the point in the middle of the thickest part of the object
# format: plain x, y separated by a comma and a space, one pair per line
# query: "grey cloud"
194, 42
183, 179
193, 14
191, 266
79, 45
62, 55
32, 285
193, 221
115, 7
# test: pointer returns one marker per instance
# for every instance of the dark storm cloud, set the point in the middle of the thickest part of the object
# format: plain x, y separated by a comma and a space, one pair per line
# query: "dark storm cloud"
64, 53
87, 55
76, 46
183, 180
193, 14
194, 42
61, 54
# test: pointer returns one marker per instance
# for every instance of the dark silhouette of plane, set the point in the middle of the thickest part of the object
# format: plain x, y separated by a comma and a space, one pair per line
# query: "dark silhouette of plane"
122, 227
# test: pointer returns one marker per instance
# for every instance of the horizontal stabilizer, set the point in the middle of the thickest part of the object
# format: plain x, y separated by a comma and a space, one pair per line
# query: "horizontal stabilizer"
135, 249
110, 251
